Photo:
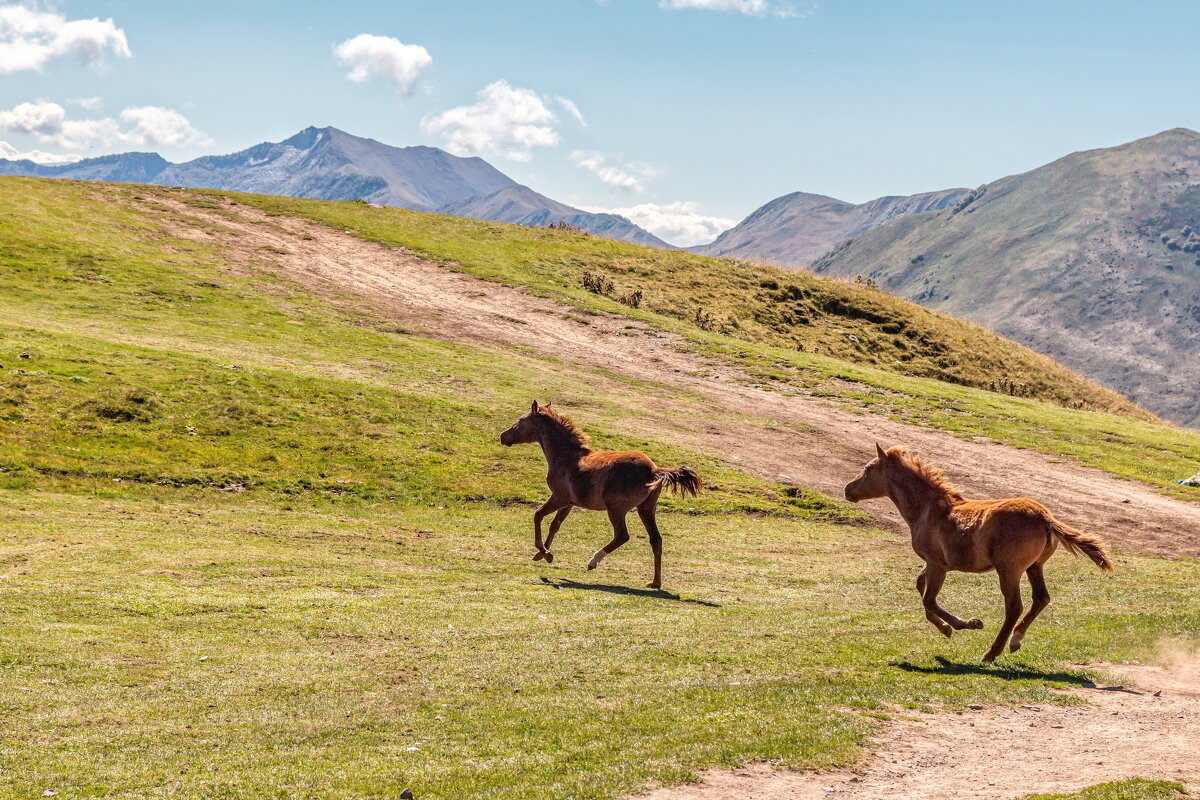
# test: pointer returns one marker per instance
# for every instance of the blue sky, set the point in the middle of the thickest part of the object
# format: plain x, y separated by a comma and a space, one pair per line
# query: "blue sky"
691, 112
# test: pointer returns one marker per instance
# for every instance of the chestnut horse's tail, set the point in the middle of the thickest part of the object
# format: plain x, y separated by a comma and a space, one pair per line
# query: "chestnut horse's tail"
1076, 541
683, 480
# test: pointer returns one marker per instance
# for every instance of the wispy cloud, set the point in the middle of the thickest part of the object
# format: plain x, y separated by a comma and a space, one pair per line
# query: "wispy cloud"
571, 109
370, 56
749, 8
679, 223
30, 39
137, 126
506, 120
627, 176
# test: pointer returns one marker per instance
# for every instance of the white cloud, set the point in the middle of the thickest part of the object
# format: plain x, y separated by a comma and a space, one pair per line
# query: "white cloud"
507, 120
679, 223
90, 103
144, 126
155, 126
572, 109
626, 177
30, 39
36, 156
386, 57
750, 8
42, 119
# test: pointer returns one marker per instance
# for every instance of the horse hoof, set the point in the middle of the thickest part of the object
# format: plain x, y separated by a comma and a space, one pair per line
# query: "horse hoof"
591, 565
975, 624
653, 585
550, 557
540, 554
989, 658
947, 631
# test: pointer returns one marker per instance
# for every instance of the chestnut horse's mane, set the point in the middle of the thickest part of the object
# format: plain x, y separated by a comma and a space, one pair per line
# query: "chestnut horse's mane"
928, 473
570, 431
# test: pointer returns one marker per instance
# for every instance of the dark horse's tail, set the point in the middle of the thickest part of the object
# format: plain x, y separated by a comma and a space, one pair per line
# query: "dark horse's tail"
1076, 541
683, 480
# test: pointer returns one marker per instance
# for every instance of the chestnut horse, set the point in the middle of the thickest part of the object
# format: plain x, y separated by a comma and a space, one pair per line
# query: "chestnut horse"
616, 481
949, 532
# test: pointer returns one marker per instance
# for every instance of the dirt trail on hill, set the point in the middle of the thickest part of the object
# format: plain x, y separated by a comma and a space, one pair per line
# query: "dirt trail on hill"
819, 445
1004, 753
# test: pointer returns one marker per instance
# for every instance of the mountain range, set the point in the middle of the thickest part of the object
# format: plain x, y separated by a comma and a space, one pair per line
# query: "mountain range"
1093, 259
798, 228
330, 164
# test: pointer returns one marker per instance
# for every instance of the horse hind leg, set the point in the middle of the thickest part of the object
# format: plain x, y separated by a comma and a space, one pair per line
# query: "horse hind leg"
1041, 599
620, 537
646, 513
954, 622
1010, 586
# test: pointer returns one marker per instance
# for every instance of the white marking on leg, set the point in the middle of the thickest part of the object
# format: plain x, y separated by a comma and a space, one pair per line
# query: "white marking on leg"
597, 557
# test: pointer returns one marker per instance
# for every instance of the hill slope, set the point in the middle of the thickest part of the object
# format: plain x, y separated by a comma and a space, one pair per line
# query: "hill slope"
252, 502
330, 164
798, 228
1093, 259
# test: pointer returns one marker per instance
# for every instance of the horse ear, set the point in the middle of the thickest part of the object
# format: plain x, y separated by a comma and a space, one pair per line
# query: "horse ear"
882, 453
534, 409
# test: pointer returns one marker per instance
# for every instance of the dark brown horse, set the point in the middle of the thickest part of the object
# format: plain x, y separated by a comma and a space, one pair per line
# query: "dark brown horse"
616, 481
1013, 536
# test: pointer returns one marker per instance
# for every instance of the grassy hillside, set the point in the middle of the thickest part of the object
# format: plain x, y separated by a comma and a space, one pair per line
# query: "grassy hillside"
252, 543
753, 303
1126, 442
1093, 259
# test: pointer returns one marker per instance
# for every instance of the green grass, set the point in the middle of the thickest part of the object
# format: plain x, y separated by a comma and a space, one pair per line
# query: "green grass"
1122, 790
242, 557
243, 649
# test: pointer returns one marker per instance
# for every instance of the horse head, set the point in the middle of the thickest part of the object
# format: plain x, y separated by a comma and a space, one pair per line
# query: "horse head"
872, 481
524, 430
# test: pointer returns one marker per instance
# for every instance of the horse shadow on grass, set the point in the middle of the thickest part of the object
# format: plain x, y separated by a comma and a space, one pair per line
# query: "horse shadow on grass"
950, 668
567, 583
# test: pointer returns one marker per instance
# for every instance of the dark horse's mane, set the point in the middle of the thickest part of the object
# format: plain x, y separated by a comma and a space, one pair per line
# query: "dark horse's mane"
928, 473
570, 432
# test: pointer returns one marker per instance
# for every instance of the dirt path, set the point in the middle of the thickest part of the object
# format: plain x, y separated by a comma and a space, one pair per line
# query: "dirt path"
998, 754
824, 446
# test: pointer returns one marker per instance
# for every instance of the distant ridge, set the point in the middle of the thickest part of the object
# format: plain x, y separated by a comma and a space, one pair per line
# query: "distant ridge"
1093, 259
523, 206
796, 229
330, 164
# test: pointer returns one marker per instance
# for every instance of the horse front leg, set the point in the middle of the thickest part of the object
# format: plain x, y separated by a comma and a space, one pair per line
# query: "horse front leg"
930, 583
553, 504
555, 524
957, 623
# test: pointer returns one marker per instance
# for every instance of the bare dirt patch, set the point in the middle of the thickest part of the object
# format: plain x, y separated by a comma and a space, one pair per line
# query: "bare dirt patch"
1123, 732
777, 433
